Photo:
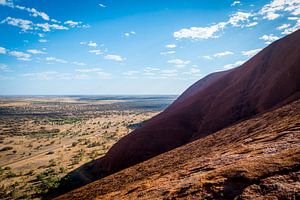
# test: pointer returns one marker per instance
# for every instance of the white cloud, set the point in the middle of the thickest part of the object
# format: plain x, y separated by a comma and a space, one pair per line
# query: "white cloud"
275, 8
89, 70
35, 51
157, 73
151, 69
90, 43
3, 67
168, 73
26, 25
102, 5
225, 53
98, 71
6, 3
270, 11
72, 23
43, 40
50, 75
2, 50
236, 64
127, 34
29, 25
21, 23
271, 16
86, 26
171, 46
269, 38
200, 32
238, 19
251, 53
235, 3
131, 74
55, 21
293, 18
20, 55
47, 75
48, 27
96, 51
167, 53
207, 57
113, 57
178, 62
296, 11
283, 26
33, 12
293, 28
251, 24
56, 60
193, 71
78, 63
217, 55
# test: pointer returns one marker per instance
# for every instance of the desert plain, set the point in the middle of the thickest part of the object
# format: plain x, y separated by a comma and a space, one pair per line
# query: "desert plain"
43, 138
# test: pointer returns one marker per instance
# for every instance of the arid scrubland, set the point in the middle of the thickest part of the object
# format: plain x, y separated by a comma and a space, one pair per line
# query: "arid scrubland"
43, 139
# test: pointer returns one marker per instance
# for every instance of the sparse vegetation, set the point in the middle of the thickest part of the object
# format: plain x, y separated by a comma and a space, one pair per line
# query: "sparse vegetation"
46, 181
39, 137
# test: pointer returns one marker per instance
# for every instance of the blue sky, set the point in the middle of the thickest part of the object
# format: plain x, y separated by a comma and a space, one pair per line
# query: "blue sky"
59, 47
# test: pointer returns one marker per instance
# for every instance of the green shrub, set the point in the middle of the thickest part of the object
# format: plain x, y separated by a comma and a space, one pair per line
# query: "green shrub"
62, 170
47, 183
11, 174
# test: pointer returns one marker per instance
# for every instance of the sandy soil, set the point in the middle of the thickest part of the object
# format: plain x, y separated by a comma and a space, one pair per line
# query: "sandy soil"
56, 135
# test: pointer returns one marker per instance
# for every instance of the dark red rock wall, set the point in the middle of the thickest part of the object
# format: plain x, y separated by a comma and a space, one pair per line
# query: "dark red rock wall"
268, 80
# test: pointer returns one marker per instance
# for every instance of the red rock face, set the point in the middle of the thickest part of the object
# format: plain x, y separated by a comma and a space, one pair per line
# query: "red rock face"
268, 80
254, 159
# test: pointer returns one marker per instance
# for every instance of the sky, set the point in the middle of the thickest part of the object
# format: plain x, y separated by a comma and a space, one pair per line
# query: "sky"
114, 47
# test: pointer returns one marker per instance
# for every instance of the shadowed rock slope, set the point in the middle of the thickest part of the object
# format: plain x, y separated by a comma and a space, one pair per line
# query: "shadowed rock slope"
268, 80
258, 158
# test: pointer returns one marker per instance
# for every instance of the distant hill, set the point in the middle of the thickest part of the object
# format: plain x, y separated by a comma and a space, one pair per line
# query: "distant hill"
268, 80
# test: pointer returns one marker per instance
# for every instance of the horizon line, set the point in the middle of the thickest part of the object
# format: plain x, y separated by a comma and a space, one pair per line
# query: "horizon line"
3, 95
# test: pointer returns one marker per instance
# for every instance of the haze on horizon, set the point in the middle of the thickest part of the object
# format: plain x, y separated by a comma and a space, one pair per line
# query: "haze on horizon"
131, 46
